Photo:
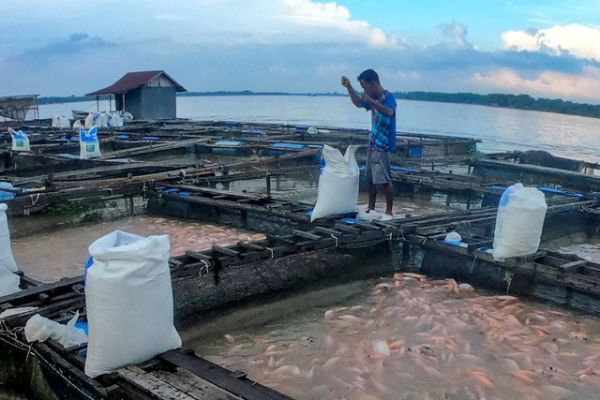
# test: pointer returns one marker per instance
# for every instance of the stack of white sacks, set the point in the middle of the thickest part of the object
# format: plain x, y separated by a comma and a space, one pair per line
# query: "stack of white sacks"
61, 122
103, 120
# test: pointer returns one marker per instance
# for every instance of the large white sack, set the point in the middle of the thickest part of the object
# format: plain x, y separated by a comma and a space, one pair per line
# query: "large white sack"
89, 146
9, 282
129, 301
519, 222
20, 141
7, 261
338, 183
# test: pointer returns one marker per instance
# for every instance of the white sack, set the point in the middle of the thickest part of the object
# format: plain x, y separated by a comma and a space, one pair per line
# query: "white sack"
89, 121
40, 329
89, 146
78, 125
20, 141
129, 301
338, 183
7, 261
61, 122
519, 222
9, 282
115, 120
64, 122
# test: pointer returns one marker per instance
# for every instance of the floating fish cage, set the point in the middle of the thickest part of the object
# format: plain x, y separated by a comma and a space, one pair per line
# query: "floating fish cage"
140, 163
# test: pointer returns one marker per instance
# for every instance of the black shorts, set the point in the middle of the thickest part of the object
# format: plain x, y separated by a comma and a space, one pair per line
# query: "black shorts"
378, 167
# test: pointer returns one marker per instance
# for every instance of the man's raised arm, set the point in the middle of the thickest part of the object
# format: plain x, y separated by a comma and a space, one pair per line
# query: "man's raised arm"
356, 100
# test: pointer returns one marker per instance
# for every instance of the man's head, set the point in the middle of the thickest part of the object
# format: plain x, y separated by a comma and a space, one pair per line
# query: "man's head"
369, 81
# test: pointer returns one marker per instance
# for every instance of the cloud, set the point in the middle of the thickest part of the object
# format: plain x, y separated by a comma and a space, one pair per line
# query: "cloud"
455, 34
578, 40
271, 45
333, 17
585, 86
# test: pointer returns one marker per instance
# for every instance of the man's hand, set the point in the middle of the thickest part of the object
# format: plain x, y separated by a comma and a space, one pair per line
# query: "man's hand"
367, 98
346, 82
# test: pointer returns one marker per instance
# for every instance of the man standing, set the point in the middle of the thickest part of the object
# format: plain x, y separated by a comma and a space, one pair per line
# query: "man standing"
382, 138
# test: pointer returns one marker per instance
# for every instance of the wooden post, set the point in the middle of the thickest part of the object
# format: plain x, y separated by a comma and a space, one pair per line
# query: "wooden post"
97, 103
268, 177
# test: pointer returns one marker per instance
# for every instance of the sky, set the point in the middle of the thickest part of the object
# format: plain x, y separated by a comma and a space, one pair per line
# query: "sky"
545, 48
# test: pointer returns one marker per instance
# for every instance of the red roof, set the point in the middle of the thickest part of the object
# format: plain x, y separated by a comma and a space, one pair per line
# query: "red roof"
133, 80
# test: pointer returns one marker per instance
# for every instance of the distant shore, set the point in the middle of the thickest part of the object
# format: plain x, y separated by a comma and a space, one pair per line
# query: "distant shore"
519, 102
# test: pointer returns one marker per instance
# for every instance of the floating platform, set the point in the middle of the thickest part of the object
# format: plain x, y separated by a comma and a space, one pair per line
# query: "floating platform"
295, 255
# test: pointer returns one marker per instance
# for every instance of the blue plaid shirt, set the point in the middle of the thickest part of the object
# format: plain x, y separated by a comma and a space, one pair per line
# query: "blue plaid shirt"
383, 128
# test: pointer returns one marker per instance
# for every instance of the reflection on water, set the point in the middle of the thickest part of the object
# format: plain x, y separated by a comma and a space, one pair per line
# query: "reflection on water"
411, 338
62, 253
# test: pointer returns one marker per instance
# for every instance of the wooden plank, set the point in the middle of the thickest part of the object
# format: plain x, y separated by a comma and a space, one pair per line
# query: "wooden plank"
237, 384
31, 294
226, 251
152, 384
573, 265
198, 256
194, 386
306, 235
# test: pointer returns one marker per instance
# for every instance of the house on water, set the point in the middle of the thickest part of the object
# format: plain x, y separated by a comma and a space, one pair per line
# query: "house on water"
145, 94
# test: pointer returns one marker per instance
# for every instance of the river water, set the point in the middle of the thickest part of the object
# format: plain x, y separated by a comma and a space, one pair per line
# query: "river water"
49, 256
409, 337
498, 128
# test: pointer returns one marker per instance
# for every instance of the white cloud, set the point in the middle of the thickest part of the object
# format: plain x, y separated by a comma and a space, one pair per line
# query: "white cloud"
206, 22
331, 16
584, 86
578, 40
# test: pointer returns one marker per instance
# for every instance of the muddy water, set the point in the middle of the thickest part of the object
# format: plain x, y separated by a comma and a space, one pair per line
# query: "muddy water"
409, 337
580, 244
50, 256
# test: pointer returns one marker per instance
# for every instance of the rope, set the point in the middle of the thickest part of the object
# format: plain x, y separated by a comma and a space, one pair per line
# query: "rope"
272, 252
34, 199
205, 265
336, 240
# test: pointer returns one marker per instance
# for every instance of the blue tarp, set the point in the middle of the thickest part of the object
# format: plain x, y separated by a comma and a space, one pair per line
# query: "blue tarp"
405, 170
348, 220
229, 143
290, 146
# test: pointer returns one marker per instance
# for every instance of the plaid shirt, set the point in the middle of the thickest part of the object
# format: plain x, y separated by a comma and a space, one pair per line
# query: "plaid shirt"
383, 128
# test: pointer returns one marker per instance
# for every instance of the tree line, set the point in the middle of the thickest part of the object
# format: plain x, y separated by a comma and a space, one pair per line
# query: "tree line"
520, 101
